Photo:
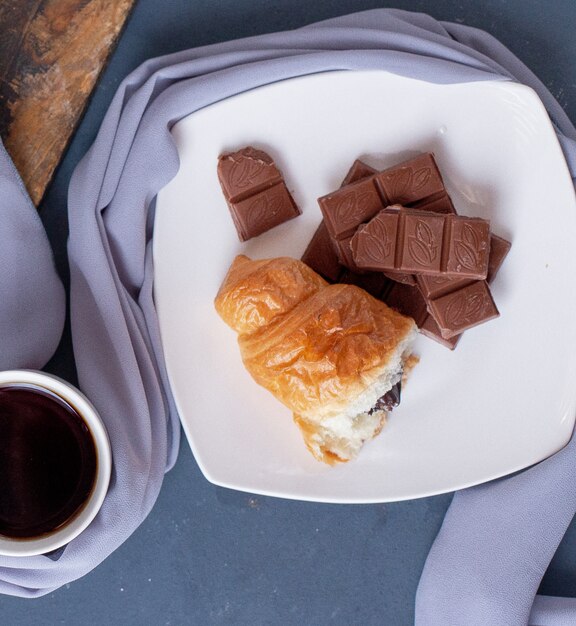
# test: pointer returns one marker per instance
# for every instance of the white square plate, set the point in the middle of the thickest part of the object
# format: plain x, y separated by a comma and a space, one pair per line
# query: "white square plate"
503, 400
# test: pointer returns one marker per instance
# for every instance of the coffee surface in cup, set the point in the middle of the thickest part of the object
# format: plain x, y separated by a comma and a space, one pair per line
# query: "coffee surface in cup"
48, 461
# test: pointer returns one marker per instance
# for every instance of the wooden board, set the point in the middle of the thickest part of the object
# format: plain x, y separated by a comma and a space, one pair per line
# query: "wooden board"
51, 54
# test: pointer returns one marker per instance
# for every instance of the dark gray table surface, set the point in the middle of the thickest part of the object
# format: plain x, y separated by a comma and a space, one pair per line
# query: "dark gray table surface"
208, 555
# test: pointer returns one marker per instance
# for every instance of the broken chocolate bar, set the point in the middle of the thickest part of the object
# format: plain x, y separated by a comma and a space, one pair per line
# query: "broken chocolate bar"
413, 241
417, 302
413, 182
329, 257
407, 298
436, 286
255, 191
350, 206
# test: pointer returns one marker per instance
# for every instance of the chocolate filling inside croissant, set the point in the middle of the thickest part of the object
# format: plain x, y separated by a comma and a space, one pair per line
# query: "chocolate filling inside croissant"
389, 400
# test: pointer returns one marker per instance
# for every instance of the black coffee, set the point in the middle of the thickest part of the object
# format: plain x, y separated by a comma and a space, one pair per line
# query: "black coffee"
48, 462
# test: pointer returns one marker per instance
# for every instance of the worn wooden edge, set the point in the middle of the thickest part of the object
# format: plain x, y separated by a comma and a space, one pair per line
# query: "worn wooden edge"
53, 55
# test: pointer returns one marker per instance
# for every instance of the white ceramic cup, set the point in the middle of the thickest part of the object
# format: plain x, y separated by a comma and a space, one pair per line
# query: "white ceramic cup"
65, 533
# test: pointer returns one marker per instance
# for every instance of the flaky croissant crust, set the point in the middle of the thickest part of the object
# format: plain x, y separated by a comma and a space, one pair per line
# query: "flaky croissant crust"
314, 346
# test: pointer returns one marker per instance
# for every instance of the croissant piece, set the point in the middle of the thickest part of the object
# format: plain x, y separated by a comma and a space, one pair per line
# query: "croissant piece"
328, 352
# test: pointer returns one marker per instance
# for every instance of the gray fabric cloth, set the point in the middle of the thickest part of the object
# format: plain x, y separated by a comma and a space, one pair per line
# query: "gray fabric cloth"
497, 539
32, 299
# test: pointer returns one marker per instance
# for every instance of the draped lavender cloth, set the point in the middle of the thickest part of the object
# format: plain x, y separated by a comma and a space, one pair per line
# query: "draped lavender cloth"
497, 539
32, 299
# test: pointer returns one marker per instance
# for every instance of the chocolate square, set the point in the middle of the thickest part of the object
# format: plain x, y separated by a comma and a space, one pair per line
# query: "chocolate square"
468, 247
410, 181
374, 244
421, 243
261, 212
255, 192
463, 309
246, 172
348, 207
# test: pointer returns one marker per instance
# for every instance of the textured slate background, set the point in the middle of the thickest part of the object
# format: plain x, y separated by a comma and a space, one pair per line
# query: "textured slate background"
207, 555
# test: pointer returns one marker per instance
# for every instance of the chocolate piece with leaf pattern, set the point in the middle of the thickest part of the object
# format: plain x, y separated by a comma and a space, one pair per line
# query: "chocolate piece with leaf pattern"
464, 308
410, 182
419, 242
416, 182
255, 191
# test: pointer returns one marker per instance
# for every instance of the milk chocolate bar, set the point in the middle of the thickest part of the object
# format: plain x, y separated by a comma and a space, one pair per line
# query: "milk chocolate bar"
413, 241
436, 286
444, 296
329, 257
407, 298
437, 204
255, 191
348, 207
416, 302
358, 171
413, 182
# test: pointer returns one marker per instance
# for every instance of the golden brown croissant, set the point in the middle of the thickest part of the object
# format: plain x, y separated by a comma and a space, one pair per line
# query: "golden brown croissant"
328, 352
